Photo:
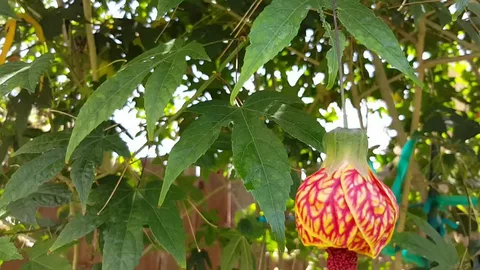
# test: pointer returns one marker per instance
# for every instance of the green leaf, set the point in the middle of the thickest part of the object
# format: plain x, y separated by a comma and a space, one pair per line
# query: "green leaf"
113, 94
81, 225
6, 10
237, 249
124, 237
445, 251
47, 195
371, 31
416, 244
261, 160
264, 100
32, 174
82, 175
332, 56
300, 125
44, 143
272, 31
247, 259
230, 253
25, 75
38, 259
164, 81
77, 228
165, 223
114, 143
8, 251
475, 8
164, 6
193, 143
460, 6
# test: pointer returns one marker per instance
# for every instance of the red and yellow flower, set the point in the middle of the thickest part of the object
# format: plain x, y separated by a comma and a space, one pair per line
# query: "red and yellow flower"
343, 207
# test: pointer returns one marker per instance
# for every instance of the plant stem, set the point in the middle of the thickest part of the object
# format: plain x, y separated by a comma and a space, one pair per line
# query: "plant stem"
92, 48
76, 247
340, 67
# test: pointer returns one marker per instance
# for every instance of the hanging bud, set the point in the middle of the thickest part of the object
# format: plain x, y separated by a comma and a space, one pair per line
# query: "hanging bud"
343, 207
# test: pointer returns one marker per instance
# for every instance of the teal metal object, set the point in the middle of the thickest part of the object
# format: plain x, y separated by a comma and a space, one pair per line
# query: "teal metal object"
403, 164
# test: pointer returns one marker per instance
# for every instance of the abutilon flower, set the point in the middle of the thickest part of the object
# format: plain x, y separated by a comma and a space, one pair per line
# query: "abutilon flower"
343, 207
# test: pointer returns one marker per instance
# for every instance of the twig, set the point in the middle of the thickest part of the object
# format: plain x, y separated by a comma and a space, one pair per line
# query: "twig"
92, 48
63, 113
201, 215
355, 97
76, 247
247, 18
238, 17
114, 190
191, 227
244, 18
452, 36
417, 107
340, 66
166, 25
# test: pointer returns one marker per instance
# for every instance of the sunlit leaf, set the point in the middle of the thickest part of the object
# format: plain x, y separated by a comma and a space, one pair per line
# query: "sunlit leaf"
164, 81
113, 94
300, 125
271, 31
371, 31
260, 159
195, 141
25, 75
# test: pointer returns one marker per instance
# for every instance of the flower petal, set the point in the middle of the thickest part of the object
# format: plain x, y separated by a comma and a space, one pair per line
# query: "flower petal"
372, 211
322, 211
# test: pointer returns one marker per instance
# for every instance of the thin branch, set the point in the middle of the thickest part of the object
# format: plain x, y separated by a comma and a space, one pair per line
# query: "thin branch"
451, 36
201, 215
63, 113
92, 48
114, 190
355, 97
166, 25
247, 18
191, 227
76, 247
417, 107
386, 92
238, 17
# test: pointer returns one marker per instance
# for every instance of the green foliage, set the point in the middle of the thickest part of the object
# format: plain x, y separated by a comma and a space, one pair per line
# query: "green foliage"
8, 251
6, 10
38, 258
28, 178
24, 75
47, 195
164, 81
434, 249
274, 28
113, 94
165, 5
375, 35
238, 250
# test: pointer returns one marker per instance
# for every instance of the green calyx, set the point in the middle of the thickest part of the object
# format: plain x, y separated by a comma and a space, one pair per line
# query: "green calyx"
346, 146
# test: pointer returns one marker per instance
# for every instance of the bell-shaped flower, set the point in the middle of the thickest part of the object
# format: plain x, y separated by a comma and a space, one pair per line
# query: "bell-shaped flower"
343, 207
